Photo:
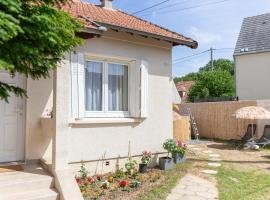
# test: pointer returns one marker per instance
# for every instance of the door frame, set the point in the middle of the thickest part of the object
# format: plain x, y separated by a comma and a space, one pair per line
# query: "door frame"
21, 81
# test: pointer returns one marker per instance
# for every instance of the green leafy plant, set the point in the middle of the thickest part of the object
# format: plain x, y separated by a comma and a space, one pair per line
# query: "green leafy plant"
119, 173
83, 173
131, 164
146, 157
135, 184
180, 147
34, 37
169, 145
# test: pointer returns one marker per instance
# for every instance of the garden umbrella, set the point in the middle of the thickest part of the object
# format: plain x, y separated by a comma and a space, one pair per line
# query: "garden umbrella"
253, 113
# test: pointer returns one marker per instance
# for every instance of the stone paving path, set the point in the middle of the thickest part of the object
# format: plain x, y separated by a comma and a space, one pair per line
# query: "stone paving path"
193, 187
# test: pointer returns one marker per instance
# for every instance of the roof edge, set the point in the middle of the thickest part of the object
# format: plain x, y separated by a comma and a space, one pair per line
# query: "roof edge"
175, 42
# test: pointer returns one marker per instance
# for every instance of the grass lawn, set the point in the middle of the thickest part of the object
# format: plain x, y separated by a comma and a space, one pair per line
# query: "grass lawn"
161, 191
243, 185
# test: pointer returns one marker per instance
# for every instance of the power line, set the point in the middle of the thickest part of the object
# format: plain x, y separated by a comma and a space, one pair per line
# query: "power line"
190, 56
188, 8
183, 59
169, 6
155, 5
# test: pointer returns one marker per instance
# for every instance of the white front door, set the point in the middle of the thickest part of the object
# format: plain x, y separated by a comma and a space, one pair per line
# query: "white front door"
12, 123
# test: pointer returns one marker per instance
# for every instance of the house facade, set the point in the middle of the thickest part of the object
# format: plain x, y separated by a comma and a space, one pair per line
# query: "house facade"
252, 59
113, 92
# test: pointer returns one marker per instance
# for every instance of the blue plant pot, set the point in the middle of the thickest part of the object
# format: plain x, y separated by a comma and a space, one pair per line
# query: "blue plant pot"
178, 158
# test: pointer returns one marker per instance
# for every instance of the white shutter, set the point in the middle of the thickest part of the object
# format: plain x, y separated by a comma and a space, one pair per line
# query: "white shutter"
144, 89
81, 85
74, 86
77, 85
134, 89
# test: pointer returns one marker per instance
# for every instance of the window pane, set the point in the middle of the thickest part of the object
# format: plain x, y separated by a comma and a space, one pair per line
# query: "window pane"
117, 87
93, 86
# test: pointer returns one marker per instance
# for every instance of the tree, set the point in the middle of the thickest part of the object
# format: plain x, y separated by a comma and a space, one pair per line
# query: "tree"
34, 36
219, 83
220, 64
189, 77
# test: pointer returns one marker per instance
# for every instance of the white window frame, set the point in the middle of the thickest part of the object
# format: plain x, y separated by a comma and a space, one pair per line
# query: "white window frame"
105, 113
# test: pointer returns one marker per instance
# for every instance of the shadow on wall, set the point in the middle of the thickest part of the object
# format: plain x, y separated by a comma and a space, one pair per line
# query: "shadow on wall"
39, 104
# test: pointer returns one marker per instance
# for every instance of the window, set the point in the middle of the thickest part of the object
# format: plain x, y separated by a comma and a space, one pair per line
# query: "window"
106, 89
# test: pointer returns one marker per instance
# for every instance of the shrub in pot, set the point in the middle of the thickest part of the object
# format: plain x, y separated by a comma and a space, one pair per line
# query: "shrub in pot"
166, 163
146, 157
179, 152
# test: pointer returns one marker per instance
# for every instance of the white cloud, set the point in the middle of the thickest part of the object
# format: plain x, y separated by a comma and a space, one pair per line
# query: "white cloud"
204, 37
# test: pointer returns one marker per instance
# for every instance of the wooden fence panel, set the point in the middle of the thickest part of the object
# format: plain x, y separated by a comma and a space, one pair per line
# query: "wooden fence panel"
216, 120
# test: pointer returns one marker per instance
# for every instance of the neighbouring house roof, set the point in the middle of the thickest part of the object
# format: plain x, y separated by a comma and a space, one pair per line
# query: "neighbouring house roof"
254, 36
95, 16
184, 86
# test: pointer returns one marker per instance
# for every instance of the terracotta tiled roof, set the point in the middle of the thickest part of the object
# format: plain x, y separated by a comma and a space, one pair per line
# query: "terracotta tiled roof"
112, 18
184, 86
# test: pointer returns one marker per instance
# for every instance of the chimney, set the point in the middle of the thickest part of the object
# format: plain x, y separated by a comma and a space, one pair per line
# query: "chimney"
106, 3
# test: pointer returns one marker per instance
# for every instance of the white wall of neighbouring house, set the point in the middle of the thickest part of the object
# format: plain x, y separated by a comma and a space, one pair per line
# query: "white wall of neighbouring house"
91, 141
252, 76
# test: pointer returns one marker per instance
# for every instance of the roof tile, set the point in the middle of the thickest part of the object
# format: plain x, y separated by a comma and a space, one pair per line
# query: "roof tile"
121, 19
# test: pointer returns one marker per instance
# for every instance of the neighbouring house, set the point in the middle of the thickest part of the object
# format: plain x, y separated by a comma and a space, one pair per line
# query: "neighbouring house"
115, 89
252, 59
183, 88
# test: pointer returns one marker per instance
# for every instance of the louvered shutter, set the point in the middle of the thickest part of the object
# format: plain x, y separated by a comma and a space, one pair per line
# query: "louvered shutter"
144, 100
77, 85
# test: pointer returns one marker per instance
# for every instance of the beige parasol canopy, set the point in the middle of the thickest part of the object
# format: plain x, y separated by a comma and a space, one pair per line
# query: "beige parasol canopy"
252, 112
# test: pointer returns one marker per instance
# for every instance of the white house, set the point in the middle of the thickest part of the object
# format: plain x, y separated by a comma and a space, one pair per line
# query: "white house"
114, 90
252, 59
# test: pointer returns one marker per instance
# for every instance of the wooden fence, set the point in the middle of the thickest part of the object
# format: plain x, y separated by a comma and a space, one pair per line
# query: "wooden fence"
216, 120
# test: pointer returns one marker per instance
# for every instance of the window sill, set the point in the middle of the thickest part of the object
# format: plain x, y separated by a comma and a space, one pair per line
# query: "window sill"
104, 121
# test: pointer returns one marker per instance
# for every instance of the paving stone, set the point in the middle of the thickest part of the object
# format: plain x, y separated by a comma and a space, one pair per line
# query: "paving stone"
208, 171
214, 164
214, 155
197, 149
208, 151
215, 159
192, 187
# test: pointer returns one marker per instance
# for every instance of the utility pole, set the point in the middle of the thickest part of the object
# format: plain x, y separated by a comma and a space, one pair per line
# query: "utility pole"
212, 61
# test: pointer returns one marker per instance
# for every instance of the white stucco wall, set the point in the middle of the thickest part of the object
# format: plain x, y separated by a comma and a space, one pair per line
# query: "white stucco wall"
89, 142
252, 76
40, 98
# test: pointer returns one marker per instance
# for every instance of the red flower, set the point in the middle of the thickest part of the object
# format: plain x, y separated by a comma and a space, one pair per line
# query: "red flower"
99, 177
79, 180
123, 183
90, 179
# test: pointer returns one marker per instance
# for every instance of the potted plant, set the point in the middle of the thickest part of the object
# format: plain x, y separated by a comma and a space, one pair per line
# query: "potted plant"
146, 157
166, 163
179, 151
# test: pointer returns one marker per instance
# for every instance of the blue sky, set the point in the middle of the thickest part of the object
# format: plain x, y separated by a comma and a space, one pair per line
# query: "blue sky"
213, 24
